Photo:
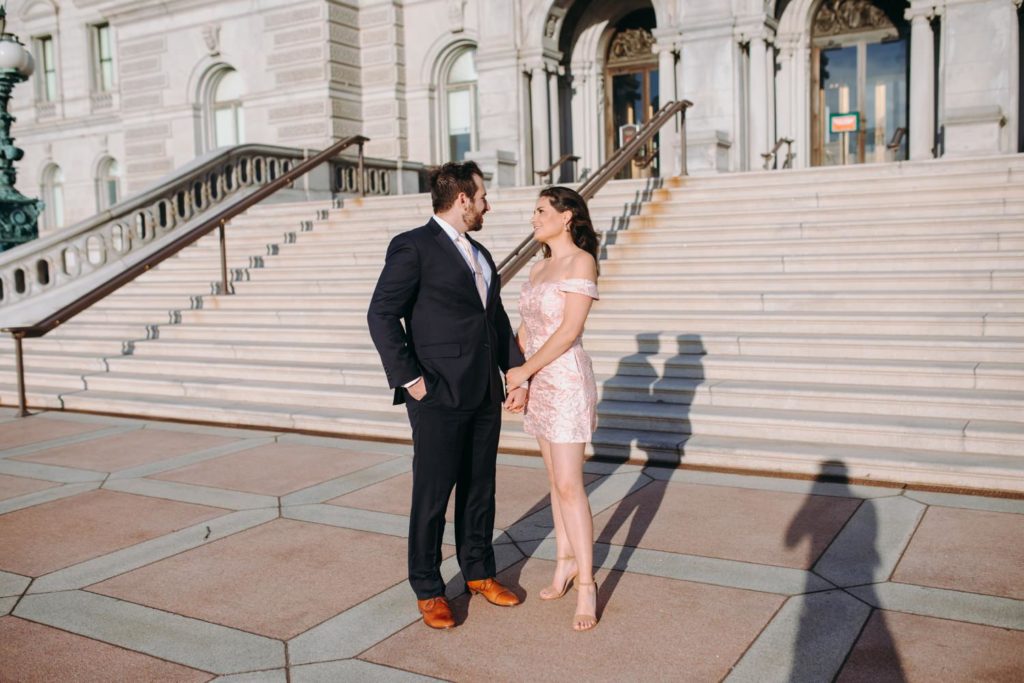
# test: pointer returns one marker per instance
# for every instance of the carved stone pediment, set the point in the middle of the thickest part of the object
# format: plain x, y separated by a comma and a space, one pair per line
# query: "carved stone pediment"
836, 17
632, 46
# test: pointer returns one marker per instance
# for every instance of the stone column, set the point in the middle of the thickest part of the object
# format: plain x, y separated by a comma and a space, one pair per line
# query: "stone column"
669, 163
757, 119
539, 121
554, 112
922, 85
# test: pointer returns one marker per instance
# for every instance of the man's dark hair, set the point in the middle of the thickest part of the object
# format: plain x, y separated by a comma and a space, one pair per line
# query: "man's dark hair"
448, 180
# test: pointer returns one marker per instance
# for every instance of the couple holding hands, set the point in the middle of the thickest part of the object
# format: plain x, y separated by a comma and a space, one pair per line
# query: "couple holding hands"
437, 321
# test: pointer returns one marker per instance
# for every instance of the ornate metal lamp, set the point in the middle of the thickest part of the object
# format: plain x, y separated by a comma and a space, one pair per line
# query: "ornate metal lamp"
18, 213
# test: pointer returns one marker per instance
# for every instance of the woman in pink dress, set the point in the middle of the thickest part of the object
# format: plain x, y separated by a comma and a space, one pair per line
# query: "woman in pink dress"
561, 411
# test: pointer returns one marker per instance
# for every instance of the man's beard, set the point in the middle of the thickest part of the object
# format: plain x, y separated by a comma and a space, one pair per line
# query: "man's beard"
473, 219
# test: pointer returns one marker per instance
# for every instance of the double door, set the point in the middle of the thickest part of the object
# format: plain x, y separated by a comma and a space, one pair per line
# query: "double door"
864, 75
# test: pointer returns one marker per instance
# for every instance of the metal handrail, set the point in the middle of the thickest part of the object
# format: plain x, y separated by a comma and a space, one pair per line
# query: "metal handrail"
768, 157
526, 249
897, 138
218, 219
564, 158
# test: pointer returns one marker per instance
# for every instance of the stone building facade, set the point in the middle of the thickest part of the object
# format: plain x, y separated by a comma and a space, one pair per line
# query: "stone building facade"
126, 91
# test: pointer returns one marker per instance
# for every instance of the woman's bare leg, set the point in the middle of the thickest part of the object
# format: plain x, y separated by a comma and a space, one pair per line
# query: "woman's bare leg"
563, 568
567, 465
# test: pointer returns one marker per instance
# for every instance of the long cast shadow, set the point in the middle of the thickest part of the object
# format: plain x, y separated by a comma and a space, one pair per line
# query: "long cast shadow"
833, 480
676, 387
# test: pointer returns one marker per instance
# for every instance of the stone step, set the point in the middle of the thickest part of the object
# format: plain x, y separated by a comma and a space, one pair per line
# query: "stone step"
670, 230
955, 435
171, 375
980, 280
914, 185
682, 214
958, 243
966, 439
873, 262
876, 196
342, 308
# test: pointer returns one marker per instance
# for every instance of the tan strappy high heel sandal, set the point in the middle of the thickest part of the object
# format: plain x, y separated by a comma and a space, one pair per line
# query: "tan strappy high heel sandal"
565, 585
579, 618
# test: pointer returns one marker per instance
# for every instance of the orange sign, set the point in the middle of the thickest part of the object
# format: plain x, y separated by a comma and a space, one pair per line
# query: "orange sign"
848, 122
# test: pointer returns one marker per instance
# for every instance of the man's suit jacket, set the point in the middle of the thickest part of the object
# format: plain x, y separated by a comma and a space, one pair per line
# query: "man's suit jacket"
448, 336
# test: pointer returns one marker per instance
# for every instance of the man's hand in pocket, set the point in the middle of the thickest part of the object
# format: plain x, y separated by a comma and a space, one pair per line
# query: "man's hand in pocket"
418, 390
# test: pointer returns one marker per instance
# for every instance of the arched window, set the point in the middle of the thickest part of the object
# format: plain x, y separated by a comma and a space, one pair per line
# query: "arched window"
53, 197
222, 107
460, 105
108, 184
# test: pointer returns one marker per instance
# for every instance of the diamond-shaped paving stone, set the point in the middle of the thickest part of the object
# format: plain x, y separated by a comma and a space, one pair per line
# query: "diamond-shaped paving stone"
121, 451
33, 652
35, 429
277, 579
907, 647
966, 550
766, 527
43, 538
12, 487
651, 629
519, 492
274, 469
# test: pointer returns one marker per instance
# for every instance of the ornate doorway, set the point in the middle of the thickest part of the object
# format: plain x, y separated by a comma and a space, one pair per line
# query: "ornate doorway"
631, 94
859, 105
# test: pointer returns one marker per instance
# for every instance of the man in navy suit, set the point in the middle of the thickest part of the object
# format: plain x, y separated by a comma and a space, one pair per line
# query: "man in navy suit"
442, 333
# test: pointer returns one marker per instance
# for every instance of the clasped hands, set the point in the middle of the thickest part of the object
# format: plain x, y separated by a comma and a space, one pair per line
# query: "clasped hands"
516, 400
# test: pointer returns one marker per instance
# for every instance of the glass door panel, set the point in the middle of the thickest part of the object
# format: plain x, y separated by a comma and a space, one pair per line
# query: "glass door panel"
839, 86
885, 93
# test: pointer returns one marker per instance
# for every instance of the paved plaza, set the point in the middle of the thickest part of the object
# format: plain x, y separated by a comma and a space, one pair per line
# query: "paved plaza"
144, 551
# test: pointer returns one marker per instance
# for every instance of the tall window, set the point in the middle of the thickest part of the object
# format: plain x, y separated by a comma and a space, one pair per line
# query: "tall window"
103, 58
53, 196
46, 58
460, 105
228, 122
108, 184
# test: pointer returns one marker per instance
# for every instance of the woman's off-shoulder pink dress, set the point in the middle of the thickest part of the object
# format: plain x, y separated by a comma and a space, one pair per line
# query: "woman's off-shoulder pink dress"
563, 396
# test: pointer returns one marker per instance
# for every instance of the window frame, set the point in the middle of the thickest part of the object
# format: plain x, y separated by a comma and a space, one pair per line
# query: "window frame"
446, 89
98, 61
47, 68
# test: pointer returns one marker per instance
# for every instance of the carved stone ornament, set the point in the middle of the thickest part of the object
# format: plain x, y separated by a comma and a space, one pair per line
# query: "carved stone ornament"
631, 46
211, 36
457, 15
835, 17
551, 25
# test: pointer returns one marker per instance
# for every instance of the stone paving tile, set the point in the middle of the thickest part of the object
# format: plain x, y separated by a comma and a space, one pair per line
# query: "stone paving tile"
275, 469
46, 537
906, 647
33, 652
651, 628
767, 527
121, 451
519, 492
966, 550
32, 430
277, 580
12, 487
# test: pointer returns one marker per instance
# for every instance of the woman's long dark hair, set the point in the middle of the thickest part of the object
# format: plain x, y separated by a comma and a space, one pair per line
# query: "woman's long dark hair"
582, 229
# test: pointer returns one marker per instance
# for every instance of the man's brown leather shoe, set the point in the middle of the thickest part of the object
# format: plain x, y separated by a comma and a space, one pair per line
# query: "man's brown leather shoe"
436, 612
495, 593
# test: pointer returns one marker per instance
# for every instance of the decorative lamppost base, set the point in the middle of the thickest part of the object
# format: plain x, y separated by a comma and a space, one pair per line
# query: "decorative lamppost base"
18, 218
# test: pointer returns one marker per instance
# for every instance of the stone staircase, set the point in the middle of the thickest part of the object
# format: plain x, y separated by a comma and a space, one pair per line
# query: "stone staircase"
871, 315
